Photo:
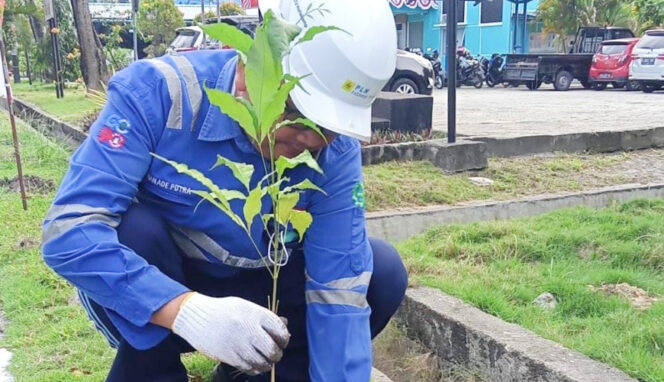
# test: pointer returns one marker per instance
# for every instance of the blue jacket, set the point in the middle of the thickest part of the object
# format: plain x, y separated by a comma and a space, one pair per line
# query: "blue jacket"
158, 106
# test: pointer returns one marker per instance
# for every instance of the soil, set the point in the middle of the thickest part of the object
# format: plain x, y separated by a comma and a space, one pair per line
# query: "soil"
405, 360
33, 184
26, 243
639, 298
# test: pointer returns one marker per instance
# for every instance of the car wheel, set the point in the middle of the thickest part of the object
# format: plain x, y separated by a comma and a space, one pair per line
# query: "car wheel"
563, 80
633, 85
618, 85
599, 85
405, 86
586, 84
647, 88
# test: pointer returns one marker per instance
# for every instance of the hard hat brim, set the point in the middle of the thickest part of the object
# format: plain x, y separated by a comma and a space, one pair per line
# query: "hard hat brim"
333, 114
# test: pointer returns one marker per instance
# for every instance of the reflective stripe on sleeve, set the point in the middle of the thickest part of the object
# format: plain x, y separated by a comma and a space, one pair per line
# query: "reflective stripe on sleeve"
337, 297
58, 227
174, 91
348, 283
193, 89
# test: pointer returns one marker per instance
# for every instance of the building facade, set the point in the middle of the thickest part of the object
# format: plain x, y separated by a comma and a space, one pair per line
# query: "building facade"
484, 29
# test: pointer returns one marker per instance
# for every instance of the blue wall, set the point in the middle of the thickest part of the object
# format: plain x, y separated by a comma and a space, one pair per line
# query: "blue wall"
430, 31
479, 39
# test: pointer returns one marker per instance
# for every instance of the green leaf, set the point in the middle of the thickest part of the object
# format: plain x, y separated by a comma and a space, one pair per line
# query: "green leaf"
281, 34
305, 158
262, 76
277, 105
197, 175
232, 195
241, 171
315, 31
253, 205
303, 121
285, 205
301, 221
229, 35
235, 108
303, 185
288, 77
210, 197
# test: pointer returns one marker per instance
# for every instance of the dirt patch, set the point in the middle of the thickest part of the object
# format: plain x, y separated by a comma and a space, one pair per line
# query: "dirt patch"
33, 184
26, 243
639, 298
405, 360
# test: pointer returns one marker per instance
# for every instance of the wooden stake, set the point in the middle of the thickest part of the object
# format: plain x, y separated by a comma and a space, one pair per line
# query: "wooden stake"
10, 110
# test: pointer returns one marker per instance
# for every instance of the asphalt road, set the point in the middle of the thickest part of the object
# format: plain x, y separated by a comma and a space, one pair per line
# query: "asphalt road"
510, 112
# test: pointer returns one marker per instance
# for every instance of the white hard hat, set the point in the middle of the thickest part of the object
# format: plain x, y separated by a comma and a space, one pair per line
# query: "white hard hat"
345, 71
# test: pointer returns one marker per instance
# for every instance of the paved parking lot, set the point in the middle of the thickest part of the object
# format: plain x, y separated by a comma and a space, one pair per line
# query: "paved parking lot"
509, 112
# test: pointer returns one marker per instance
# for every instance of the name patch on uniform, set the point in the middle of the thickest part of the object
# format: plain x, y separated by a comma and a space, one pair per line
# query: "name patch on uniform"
168, 185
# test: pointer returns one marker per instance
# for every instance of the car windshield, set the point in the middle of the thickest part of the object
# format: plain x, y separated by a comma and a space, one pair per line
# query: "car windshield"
651, 42
613, 49
184, 39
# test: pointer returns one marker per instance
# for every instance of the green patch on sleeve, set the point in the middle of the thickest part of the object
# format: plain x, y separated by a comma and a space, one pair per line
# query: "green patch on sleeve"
359, 198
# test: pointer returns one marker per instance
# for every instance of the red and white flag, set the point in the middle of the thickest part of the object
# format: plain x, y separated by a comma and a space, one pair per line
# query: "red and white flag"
246, 4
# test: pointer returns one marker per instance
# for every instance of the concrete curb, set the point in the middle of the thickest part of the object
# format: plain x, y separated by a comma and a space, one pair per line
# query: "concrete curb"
460, 334
396, 226
63, 132
376, 376
451, 158
597, 142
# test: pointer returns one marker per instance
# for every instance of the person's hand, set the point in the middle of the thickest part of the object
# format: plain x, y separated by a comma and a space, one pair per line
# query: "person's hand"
234, 331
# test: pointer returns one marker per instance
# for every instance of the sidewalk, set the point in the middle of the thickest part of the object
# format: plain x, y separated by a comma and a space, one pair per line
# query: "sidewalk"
511, 112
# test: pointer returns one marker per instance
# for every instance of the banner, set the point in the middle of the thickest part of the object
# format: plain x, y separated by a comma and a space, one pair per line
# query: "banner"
412, 4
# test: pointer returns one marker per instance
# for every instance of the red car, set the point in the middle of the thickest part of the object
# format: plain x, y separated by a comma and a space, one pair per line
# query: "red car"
611, 65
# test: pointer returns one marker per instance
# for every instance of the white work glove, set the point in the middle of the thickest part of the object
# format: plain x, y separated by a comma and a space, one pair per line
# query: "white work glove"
234, 331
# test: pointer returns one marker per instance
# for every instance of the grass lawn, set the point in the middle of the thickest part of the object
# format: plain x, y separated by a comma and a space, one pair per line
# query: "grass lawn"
73, 108
414, 184
49, 334
501, 267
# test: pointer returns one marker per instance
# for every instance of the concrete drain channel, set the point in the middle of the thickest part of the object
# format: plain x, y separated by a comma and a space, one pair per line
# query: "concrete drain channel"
438, 338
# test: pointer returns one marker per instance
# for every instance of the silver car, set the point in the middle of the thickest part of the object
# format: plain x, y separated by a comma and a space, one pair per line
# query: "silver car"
648, 61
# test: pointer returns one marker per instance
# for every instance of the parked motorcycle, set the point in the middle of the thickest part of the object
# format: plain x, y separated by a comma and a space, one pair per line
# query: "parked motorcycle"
469, 69
494, 70
438, 72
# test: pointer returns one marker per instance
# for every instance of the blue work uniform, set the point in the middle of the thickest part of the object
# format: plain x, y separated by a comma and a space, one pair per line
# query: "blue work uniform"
159, 106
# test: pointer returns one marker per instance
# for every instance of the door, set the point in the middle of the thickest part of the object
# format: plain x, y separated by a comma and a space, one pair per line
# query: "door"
415, 35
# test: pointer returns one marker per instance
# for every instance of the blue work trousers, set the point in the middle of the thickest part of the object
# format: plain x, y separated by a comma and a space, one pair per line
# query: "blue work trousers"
147, 234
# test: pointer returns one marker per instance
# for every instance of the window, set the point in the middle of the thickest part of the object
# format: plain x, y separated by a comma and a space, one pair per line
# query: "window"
613, 49
651, 41
461, 10
491, 12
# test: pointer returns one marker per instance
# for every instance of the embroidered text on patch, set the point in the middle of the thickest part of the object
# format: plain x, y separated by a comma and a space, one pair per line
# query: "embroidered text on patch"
359, 198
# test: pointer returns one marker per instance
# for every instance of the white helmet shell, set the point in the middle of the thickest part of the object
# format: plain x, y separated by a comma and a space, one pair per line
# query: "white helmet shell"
345, 70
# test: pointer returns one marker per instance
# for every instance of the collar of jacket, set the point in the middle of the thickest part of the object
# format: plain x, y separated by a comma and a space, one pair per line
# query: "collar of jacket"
217, 126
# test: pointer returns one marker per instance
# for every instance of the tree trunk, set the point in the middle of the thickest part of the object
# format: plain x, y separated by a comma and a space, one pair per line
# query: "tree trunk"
93, 60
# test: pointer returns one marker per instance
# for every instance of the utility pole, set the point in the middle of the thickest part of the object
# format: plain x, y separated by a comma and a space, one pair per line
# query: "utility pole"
451, 69
134, 15
49, 15
451, 65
